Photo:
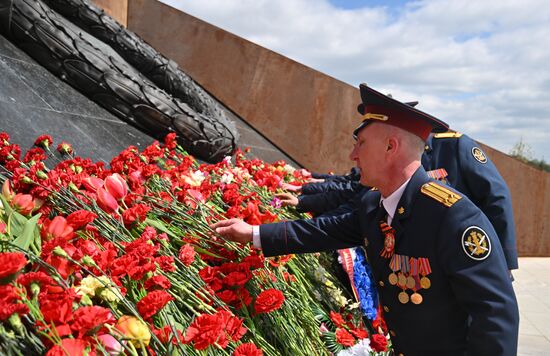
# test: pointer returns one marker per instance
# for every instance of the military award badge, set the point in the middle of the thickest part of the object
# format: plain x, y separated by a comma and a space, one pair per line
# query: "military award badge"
410, 273
389, 240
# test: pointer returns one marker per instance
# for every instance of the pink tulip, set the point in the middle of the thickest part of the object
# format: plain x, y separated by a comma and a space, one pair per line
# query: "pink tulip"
106, 201
137, 178
116, 186
23, 203
110, 344
58, 227
92, 183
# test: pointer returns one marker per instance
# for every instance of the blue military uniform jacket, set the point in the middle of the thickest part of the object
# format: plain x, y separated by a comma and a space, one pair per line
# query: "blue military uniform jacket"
471, 172
468, 272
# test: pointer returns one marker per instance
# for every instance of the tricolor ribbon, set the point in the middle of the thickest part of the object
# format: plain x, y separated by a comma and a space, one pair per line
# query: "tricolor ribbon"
347, 264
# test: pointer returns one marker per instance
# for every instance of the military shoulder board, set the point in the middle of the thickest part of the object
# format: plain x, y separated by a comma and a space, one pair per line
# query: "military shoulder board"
441, 194
448, 135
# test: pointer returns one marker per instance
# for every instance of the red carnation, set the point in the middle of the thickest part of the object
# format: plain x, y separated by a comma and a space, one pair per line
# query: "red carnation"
68, 347
337, 319
237, 278
248, 349
11, 263
64, 148
378, 342
80, 218
187, 254
90, 319
344, 338
220, 328
268, 301
359, 333
157, 282
204, 331
43, 141
136, 213
10, 302
153, 302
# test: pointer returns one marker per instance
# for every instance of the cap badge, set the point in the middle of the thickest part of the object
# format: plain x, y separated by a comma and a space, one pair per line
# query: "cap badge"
479, 155
476, 243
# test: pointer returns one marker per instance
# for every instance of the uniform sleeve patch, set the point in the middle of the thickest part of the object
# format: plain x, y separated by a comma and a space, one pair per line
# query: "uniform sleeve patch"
479, 155
476, 243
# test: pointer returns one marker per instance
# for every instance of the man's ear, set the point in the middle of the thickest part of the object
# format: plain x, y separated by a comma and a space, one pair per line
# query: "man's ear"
392, 144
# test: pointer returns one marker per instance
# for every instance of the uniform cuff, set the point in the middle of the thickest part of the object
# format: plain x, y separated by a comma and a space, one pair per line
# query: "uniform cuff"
256, 241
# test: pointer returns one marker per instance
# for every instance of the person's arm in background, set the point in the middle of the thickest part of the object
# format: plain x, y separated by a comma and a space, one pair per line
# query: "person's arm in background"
321, 203
327, 186
490, 193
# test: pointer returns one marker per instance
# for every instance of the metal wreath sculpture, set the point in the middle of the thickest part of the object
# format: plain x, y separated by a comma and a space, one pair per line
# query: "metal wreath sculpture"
98, 72
162, 71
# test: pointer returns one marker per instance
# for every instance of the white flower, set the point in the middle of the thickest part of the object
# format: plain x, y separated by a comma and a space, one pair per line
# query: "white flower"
289, 169
242, 173
89, 284
317, 295
195, 179
362, 348
227, 178
227, 160
319, 274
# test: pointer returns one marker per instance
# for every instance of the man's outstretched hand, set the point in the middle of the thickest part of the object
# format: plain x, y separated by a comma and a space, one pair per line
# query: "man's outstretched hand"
292, 188
287, 199
234, 230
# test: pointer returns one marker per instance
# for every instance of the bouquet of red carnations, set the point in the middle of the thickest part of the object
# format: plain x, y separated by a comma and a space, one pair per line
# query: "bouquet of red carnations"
121, 260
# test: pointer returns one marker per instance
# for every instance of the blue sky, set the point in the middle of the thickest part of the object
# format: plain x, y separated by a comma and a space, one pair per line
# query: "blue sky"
357, 4
481, 66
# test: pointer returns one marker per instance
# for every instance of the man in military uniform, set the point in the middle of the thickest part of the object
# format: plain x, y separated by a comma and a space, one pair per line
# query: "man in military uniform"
454, 159
440, 269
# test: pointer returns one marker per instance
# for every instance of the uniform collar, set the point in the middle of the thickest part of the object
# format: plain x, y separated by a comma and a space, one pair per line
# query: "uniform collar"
407, 198
390, 203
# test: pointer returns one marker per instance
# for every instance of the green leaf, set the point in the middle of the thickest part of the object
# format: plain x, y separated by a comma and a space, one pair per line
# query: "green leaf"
7, 206
15, 222
27, 234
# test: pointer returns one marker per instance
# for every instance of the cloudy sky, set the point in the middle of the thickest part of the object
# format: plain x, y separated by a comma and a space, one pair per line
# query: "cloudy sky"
482, 66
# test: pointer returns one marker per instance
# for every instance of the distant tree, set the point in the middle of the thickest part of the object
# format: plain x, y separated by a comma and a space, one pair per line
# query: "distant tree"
524, 153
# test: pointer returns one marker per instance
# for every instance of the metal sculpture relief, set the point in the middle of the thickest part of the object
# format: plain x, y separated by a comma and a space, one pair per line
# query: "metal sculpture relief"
97, 71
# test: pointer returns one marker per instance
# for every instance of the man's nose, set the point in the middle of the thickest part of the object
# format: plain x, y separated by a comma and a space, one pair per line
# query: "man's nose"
353, 153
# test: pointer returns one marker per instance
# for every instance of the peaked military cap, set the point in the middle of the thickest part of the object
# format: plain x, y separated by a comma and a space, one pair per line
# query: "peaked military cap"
377, 107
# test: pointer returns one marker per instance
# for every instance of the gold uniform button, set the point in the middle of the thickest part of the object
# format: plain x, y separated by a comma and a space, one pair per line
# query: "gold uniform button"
386, 309
381, 283
401, 354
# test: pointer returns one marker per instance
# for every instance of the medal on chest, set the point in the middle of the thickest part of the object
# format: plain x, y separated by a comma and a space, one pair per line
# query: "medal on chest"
389, 240
409, 273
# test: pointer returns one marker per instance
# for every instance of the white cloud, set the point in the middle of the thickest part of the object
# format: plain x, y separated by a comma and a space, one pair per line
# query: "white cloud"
482, 66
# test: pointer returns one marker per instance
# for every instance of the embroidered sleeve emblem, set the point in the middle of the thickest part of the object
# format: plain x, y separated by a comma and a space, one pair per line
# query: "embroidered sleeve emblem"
479, 155
476, 243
